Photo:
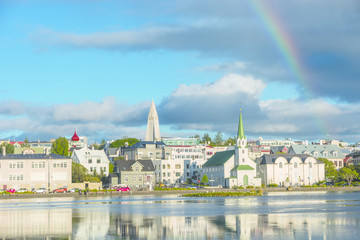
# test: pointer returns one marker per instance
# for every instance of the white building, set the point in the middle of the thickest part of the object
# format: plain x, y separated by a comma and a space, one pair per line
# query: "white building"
92, 160
290, 169
233, 167
30, 171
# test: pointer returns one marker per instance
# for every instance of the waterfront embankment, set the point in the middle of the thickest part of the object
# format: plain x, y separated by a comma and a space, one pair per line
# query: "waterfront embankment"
173, 192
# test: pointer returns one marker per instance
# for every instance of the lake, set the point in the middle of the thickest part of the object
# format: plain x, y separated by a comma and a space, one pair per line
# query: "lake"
284, 215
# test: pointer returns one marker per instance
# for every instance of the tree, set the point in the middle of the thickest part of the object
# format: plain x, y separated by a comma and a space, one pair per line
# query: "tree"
111, 168
205, 179
79, 172
26, 143
121, 142
230, 141
206, 138
61, 147
348, 174
219, 138
330, 170
9, 149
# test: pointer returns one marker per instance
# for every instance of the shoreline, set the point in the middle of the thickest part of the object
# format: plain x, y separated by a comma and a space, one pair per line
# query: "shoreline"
172, 192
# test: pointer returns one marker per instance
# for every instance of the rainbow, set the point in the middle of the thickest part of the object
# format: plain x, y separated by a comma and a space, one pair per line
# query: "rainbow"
287, 47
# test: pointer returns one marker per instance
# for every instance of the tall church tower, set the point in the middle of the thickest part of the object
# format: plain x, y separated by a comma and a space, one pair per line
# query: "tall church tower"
153, 128
241, 151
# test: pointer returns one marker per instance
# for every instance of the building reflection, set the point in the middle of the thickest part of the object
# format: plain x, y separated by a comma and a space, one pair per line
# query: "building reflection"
35, 224
108, 223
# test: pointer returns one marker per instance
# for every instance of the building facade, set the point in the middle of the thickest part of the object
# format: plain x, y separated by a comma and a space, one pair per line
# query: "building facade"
93, 160
33, 171
290, 169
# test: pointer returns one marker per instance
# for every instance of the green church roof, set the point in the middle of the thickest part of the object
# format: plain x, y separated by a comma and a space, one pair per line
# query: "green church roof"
242, 167
241, 134
219, 159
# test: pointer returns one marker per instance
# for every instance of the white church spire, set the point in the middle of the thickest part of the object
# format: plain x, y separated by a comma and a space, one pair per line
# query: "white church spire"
153, 128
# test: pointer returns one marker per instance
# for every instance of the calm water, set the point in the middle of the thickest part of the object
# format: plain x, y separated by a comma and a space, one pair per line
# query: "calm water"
292, 215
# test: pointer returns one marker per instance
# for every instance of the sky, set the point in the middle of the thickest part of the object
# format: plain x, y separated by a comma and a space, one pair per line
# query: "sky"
94, 66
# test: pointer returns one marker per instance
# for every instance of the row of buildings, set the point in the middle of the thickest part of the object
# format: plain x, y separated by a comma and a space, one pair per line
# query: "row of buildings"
174, 161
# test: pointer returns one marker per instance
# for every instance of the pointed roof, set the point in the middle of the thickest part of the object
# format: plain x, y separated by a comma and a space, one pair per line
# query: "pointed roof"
153, 128
75, 137
241, 134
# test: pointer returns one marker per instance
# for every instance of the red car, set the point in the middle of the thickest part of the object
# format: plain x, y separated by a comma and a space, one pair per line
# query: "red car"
123, 189
11, 190
60, 190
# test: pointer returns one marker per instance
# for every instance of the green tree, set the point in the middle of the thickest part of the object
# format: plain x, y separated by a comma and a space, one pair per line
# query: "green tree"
205, 179
219, 138
26, 143
111, 168
206, 138
331, 173
9, 149
230, 141
79, 172
61, 147
348, 174
121, 142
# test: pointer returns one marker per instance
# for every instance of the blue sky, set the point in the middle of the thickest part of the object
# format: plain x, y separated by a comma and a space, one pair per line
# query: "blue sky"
95, 66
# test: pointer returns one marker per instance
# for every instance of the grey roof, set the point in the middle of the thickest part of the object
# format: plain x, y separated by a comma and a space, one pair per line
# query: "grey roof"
276, 149
320, 149
125, 165
354, 155
142, 144
271, 158
112, 151
32, 156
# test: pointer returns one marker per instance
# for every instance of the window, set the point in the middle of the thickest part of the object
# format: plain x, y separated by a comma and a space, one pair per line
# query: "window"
104, 169
187, 166
89, 160
177, 166
164, 175
295, 165
91, 169
177, 174
65, 164
310, 165
168, 166
163, 166
280, 165
98, 160
140, 178
340, 164
134, 178
169, 174
54, 165
126, 179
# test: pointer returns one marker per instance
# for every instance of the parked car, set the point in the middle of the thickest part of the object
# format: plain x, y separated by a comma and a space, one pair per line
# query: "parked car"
123, 189
60, 190
41, 190
74, 190
11, 190
21, 190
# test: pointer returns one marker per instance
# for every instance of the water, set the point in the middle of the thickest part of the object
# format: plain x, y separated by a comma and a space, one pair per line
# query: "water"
288, 215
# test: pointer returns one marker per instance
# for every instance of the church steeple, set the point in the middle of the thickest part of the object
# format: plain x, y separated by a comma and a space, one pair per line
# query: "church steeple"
241, 134
153, 128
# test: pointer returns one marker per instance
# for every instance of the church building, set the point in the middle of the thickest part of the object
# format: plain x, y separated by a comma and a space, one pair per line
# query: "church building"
232, 167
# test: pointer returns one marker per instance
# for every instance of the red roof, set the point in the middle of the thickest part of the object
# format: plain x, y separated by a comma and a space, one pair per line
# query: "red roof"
75, 137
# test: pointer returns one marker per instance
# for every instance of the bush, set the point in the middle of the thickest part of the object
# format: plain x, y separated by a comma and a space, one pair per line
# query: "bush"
273, 185
248, 187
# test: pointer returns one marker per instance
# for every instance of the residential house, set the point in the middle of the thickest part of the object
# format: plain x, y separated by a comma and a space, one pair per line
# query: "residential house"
133, 173
93, 160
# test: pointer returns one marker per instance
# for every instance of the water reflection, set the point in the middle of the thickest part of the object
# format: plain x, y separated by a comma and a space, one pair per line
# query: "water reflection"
278, 216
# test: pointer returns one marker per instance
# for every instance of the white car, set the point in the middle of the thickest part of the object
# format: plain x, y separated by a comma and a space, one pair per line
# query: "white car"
21, 190
41, 190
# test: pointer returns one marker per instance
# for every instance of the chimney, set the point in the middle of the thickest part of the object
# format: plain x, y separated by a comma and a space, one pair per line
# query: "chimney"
126, 157
46, 151
3, 151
